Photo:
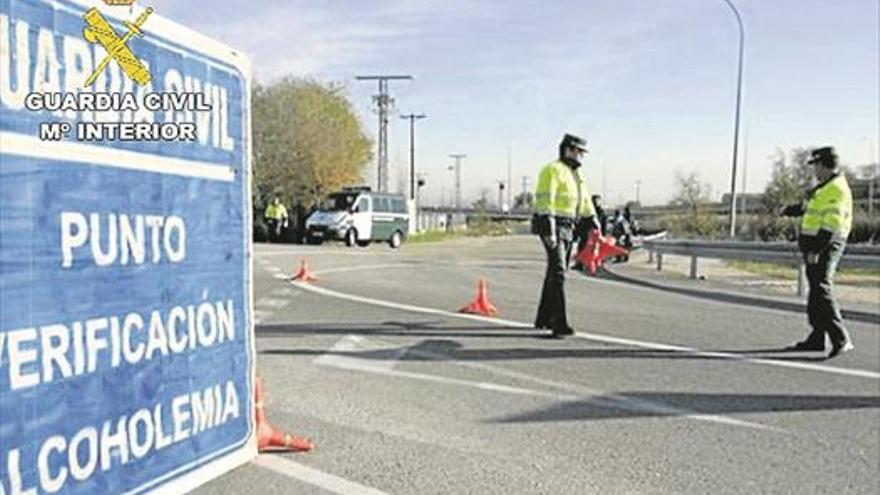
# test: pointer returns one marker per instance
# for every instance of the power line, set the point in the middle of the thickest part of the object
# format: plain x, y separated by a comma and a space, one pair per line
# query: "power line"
384, 103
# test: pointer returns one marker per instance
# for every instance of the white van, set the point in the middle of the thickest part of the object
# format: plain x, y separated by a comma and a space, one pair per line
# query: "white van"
359, 216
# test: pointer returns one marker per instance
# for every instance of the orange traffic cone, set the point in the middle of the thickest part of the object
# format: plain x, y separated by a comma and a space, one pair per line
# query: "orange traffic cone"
481, 305
598, 248
271, 439
304, 274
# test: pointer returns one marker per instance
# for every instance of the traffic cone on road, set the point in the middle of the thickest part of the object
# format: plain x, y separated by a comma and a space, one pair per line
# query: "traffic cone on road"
481, 305
598, 248
271, 439
304, 274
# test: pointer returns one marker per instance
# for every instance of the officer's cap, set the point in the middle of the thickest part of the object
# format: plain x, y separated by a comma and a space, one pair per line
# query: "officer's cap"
825, 156
573, 141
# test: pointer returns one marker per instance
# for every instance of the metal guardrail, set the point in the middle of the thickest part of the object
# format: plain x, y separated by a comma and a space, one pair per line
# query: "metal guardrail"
778, 252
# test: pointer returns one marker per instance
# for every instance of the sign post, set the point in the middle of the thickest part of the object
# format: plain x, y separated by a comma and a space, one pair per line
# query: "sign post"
126, 333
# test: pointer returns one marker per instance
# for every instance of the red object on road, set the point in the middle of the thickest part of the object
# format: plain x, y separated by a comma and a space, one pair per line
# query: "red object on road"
271, 439
304, 274
598, 248
481, 304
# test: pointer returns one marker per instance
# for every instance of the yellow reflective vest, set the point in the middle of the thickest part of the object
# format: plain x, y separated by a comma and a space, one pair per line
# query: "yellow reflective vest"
277, 212
830, 208
562, 192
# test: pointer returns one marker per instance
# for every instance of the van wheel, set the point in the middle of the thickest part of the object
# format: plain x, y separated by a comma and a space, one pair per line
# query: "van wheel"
315, 241
351, 237
396, 240
363, 243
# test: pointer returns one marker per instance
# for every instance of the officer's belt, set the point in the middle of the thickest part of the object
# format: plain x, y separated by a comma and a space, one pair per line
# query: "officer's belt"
564, 221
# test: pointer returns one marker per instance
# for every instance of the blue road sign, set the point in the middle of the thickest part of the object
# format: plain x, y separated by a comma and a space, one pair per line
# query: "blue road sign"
126, 344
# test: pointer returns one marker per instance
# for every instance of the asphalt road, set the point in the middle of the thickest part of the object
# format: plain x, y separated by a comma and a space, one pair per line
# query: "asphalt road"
658, 392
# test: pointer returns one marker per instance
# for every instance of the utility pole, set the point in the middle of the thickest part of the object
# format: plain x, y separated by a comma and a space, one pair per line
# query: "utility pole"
412, 152
604, 181
384, 103
509, 174
525, 189
872, 174
638, 190
458, 157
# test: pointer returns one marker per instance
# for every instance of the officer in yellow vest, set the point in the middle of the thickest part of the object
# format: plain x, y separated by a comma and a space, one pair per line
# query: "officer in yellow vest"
276, 218
562, 199
825, 226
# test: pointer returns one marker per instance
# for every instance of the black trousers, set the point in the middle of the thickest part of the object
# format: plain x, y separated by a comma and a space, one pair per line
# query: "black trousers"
273, 226
823, 311
551, 309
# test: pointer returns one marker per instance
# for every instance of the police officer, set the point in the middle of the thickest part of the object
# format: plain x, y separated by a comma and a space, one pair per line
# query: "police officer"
276, 218
561, 200
826, 223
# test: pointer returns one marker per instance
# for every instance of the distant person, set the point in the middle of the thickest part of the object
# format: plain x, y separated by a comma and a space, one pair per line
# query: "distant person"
826, 223
633, 224
300, 214
561, 200
622, 232
276, 219
601, 216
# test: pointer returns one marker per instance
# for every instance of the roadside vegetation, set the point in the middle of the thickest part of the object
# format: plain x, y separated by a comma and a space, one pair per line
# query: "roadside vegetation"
698, 217
788, 271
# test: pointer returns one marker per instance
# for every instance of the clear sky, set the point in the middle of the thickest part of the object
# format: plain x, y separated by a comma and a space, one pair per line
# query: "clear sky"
651, 84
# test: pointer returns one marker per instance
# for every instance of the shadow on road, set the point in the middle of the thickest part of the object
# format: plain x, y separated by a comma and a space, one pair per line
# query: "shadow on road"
444, 348
643, 404
395, 328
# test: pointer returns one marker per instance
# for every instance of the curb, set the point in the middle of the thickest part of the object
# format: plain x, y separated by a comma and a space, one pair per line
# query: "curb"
738, 298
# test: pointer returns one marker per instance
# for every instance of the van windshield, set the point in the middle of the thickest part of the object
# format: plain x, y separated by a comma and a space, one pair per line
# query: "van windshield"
341, 202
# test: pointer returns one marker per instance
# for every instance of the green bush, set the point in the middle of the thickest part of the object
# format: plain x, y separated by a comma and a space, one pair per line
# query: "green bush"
768, 228
701, 226
865, 228
764, 227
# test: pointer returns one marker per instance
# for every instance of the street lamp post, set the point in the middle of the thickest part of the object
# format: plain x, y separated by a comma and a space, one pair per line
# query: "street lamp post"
412, 152
736, 118
458, 157
501, 196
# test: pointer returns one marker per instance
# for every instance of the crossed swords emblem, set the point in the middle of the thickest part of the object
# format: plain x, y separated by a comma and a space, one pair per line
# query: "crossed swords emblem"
100, 31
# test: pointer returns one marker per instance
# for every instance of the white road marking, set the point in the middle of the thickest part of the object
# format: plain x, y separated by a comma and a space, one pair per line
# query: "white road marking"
365, 267
261, 316
312, 476
269, 302
612, 401
599, 338
316, 252
382, 359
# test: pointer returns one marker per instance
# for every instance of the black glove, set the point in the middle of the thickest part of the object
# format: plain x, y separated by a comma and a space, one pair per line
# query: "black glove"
795, 210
